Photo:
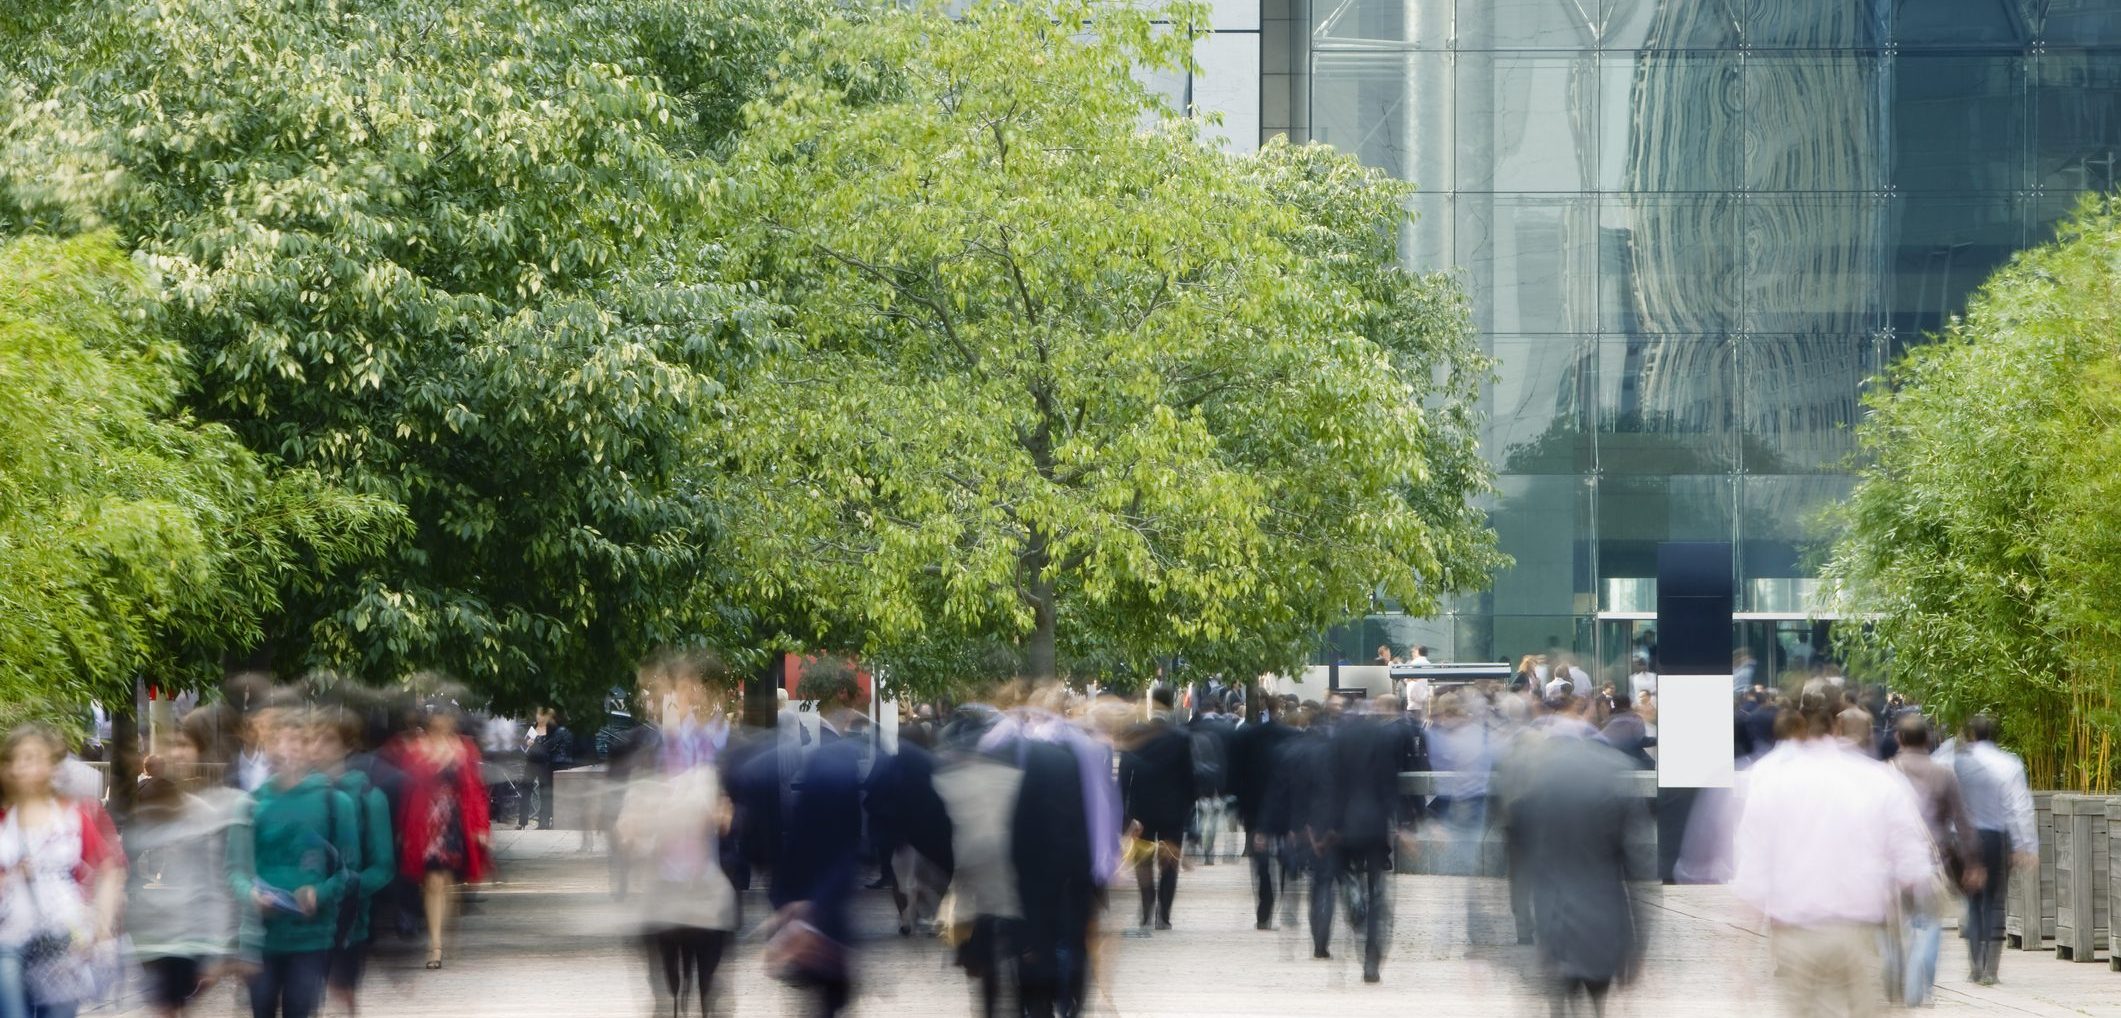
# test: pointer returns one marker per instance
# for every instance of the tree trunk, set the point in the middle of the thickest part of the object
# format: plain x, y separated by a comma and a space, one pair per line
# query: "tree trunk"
1040, 656
762, 708
123, 754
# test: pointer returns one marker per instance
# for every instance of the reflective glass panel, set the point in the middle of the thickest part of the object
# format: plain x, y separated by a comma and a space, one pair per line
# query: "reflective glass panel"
1801, 397
1958, 122
1670, 264
1814, 122
1673, 24
1530, 262
1667, 405
2076, 101
1539, 405
1816, 24
1527, 122
1670, 121
1527, 24
1543, 522
1943, 247
1985, 24
1815, 262
1635, 514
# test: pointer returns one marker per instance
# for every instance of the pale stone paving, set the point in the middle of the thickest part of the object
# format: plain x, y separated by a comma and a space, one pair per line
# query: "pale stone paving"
549, 941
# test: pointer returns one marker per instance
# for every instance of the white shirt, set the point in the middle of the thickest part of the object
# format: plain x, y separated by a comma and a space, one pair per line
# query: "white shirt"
1557, 687
1418, 694
1997, 798
1643, 682
1828, 836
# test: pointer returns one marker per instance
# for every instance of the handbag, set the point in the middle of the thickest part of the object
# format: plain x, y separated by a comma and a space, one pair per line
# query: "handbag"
53, 971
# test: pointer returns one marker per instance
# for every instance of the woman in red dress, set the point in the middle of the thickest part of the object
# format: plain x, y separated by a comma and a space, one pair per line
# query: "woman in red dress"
443, 824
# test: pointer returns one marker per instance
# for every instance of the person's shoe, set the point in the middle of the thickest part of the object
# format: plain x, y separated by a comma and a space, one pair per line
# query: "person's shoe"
878, 884
1263, 925
520, 826
1163, 924
905, 930
1321, 954
1371, 976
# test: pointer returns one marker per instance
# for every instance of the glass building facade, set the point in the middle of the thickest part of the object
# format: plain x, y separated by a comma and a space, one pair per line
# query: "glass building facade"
1691, 231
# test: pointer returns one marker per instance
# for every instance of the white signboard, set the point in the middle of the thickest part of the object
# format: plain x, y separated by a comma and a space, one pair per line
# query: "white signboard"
809, 724
887, 725
1695, 744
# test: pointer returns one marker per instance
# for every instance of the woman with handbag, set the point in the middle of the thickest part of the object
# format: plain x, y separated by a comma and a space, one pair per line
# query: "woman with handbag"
62, 877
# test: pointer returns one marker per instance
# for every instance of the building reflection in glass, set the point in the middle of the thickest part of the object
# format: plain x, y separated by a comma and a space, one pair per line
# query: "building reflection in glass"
1691, 230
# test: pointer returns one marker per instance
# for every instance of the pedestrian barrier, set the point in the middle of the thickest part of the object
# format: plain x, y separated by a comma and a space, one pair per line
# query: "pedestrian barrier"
2029, 904
2081, 876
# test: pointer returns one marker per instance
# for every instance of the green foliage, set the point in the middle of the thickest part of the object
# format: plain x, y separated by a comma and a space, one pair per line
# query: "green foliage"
1983, 532
133, 539
1060, 375
445, 255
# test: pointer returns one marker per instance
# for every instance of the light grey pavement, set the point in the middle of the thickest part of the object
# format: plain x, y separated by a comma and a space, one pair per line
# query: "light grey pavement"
549, 941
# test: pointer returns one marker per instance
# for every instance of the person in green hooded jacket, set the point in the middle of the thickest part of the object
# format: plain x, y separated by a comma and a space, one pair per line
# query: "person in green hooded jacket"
336, 732
305, 844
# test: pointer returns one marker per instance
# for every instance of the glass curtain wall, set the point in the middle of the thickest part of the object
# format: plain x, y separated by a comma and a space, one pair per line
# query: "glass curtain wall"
1691, 230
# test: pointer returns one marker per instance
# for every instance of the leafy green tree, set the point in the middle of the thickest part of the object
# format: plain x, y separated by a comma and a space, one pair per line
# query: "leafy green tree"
1060, 374
1983, 532
134, 541
448, 255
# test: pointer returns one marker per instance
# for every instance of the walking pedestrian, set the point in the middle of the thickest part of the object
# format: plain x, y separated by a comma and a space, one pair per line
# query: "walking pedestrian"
1252, 754
1156, 782
303, 847
1827, 840
550, 751
672, 821
180, 911
1992, 781
335, 733
62, 878
1572, 822
1368, 753
811, 939
443, 824
1911, 968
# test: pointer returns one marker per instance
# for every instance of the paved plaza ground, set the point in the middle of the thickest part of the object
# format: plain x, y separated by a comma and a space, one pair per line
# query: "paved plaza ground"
548, 941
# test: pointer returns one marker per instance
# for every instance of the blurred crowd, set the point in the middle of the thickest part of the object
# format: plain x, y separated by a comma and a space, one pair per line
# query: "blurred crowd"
272, 837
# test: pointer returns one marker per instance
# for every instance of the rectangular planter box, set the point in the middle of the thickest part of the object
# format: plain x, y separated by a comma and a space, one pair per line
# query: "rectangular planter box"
2113, 881
2081, 876
2029, 905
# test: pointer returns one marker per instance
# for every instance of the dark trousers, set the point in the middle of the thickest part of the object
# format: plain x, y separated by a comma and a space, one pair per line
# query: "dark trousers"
1983, 929
1264, 876
684, 958
1364, 867
289, 985
1563, 1003
1157, 878
539, 800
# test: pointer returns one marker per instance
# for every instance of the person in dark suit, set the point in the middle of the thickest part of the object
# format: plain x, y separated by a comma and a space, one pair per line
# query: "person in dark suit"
1300, 806
1156, 797
1056, 890
911, 829
1367, 755
1212, 732
1252, 752
1575, 817
816, 874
